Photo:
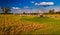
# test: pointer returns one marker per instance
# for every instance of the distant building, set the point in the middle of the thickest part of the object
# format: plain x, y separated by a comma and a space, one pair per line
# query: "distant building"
41, 13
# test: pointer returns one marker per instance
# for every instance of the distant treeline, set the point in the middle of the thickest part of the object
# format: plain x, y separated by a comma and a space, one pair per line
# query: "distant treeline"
32, 13
7, 10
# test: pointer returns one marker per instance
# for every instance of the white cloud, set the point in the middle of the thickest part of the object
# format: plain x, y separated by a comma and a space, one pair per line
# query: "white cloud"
15, 8
45, 3
32, 2
26, 7
36, 3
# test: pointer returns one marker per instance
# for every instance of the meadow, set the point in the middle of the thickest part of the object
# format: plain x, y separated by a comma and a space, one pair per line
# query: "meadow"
29, 25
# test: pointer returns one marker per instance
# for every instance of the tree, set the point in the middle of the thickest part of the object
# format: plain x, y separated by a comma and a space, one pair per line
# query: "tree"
6, 10
24, 13
52, 11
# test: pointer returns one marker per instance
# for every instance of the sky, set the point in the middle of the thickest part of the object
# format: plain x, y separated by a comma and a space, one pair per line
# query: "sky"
30, 5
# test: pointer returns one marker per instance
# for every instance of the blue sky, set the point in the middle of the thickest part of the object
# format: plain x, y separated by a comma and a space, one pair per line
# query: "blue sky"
31, 5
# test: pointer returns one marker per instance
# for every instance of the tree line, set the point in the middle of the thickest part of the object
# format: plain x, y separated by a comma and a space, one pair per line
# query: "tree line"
7, 10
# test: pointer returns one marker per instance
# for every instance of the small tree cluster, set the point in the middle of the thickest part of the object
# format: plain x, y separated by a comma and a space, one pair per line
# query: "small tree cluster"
52, 11
6, 10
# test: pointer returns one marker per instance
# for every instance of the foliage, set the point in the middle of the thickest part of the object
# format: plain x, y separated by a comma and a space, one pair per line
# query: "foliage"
6, 10
52, 11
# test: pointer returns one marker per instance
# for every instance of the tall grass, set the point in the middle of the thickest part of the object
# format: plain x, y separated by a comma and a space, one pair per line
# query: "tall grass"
16, 24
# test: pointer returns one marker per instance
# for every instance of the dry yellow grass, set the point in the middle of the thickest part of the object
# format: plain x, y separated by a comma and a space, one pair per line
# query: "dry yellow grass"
12, 24
54, 16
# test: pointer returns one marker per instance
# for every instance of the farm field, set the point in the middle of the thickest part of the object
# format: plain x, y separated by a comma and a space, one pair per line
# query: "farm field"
27, 25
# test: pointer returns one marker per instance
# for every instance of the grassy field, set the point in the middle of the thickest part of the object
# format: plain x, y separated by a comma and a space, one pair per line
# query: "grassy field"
27, 25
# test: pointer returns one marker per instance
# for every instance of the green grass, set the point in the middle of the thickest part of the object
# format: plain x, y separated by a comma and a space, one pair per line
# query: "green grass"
52, 24
41, 19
